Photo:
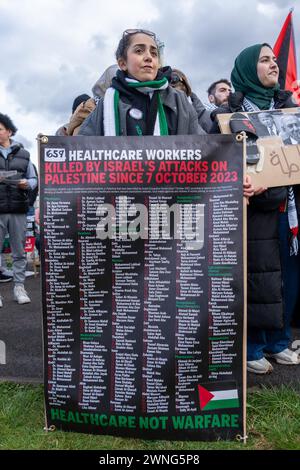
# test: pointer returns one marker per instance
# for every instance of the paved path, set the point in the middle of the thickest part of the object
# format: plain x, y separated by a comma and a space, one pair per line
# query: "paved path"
21, 331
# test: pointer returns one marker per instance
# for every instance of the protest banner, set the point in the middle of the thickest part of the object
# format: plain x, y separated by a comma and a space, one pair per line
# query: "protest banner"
143, 286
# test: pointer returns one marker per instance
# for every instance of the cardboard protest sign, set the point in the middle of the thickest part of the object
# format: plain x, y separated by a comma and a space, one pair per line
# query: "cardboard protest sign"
277, 146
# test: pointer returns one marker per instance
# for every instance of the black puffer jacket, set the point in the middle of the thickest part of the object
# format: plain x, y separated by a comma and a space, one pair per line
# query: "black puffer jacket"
265, 301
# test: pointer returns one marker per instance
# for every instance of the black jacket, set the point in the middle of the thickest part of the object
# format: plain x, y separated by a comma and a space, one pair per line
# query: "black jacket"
265, 301
14, 200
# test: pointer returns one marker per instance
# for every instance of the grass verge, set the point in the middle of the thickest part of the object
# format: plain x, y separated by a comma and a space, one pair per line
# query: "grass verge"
273, 423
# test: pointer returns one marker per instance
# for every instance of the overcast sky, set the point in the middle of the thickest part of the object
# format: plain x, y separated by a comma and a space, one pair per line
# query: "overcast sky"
54, 50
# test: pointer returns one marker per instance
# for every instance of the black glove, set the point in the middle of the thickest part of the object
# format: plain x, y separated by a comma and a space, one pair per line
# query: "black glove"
235, 101
224, 109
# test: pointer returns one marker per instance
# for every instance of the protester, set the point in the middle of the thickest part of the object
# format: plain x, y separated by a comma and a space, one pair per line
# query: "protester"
154, 109
88, 106
14, 201
169, 110
83, 105
179, 81
63, 130
218, 93
272, 224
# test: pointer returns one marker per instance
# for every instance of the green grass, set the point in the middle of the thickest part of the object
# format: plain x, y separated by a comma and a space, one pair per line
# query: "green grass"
273, 423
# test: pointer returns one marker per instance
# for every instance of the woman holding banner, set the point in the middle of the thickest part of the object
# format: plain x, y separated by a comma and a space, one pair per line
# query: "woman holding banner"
140, 100
273, 260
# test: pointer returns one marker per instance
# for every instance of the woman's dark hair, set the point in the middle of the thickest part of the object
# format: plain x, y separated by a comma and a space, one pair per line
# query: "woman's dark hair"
178, 76
7, 123
121, 52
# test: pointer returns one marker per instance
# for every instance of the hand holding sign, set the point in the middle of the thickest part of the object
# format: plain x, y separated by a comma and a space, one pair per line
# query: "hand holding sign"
248, 188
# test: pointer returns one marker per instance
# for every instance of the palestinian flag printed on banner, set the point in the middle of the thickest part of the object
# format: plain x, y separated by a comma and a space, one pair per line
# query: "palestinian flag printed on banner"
218, 395
285, 52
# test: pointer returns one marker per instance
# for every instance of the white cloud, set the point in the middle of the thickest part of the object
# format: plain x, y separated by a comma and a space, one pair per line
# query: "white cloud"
269, 10
54, 50
29, 124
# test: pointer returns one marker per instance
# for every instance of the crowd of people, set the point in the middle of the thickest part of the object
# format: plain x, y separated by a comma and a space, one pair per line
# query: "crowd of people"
138, 96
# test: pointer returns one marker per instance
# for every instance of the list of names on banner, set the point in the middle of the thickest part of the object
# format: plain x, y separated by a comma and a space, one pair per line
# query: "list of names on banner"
60, 251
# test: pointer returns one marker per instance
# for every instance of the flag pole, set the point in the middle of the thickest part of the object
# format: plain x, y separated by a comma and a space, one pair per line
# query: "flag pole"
242, 137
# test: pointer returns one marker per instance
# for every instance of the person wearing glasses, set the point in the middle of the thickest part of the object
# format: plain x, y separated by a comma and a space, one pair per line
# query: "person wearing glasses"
140, 100
180, 82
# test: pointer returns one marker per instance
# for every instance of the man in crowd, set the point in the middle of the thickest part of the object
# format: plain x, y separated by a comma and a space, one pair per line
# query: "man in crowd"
218, 93
17, 176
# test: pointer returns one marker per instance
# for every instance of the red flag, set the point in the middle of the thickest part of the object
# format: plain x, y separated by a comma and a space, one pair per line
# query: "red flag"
204, 396
285, 52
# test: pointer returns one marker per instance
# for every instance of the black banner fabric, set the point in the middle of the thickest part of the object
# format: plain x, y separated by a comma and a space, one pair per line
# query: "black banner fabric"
143, 285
